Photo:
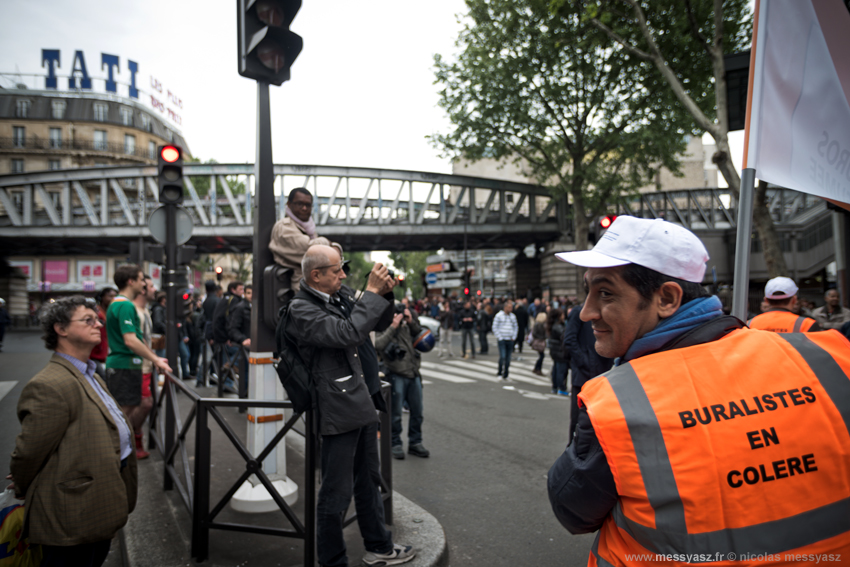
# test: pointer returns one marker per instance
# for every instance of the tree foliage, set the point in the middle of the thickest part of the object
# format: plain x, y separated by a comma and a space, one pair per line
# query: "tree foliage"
412, 266
685, 41
547, 91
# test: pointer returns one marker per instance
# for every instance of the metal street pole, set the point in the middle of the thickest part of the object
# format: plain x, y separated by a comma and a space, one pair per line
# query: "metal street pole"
263, 382
171, 335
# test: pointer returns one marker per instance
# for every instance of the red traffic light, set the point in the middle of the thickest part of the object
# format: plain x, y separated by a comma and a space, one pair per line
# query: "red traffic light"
400, 277
169, 154
606, 221
466, 291
478, 292
186, 297
218, 269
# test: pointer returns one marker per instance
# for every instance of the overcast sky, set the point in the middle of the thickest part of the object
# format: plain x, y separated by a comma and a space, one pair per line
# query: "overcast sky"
361, 92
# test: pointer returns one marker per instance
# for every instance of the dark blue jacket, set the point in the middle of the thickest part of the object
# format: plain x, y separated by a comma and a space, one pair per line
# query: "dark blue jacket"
580, 344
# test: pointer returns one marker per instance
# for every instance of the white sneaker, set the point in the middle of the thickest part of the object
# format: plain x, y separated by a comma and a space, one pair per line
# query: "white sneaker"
397, 555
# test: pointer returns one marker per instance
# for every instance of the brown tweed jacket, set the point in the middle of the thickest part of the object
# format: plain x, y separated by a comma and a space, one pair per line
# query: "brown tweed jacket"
67, 460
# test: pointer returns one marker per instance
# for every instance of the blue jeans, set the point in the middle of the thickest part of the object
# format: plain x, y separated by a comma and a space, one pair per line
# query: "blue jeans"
236, 356
350, 467
409, 389
559, 376
183, 351
505, 349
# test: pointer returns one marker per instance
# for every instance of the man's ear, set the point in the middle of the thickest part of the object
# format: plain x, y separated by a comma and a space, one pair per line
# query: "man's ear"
60, 330
668, 299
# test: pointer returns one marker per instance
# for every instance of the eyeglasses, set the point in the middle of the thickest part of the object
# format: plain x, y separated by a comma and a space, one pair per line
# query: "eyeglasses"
300, 205
90, 321
341, 265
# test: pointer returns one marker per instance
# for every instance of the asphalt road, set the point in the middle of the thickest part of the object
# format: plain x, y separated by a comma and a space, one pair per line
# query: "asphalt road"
491, 447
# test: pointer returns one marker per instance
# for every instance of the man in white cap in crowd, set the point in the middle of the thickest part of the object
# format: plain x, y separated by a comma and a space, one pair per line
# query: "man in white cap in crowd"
697, 446
781, 315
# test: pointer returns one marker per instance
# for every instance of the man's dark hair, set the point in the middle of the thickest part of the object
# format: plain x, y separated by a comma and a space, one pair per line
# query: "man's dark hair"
102, 293
231, 287
160, 295
296, 191
61, 312
248, 286
210, 286
126, 273
647, 282
778, 302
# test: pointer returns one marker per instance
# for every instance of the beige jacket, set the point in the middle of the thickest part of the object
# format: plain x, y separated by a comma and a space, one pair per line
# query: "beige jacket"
289, 244
67, 460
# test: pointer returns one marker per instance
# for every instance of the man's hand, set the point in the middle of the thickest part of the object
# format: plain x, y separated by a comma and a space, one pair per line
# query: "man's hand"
397, 318
12, 486
380, 281
162, 364
246, 343
407, 316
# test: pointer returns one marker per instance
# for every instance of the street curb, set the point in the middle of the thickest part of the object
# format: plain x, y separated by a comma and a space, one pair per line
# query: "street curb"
158, 532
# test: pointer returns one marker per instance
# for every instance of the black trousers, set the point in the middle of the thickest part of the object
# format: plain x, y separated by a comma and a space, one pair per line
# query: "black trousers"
83, 555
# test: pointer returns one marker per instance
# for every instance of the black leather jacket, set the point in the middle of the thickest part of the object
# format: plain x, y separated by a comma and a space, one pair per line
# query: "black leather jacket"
334, 340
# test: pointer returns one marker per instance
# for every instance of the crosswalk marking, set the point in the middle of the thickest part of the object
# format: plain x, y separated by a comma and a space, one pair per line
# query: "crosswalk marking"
514, 375
438, 369
6, 387
440, 375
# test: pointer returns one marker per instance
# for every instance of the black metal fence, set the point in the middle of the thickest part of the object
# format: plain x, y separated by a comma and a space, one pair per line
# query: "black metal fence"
170, 431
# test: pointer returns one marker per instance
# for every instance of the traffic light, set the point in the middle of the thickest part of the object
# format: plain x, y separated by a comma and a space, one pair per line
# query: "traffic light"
218, 271
400, 278
466, 278
478, 293
266, 47
466, 291
606, 221
186, 309
169, 171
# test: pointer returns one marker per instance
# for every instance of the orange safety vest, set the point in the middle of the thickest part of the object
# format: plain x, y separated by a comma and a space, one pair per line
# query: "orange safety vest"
781, 322
737, 450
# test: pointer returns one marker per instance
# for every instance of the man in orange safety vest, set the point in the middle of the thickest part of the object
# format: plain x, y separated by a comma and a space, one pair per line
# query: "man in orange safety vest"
708, 442
781, 316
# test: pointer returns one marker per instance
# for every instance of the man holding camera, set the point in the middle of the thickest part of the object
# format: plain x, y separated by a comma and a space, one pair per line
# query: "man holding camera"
333, 339
402, 362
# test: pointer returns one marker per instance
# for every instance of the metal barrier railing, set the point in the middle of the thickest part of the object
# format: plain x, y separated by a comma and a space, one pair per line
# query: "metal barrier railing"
169, 433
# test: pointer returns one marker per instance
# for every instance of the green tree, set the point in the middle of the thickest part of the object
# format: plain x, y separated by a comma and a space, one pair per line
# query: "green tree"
412, 266
544, 90
359, 269
685, 41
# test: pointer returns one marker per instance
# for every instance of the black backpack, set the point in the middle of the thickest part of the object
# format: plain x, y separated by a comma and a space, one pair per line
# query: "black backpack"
295, 375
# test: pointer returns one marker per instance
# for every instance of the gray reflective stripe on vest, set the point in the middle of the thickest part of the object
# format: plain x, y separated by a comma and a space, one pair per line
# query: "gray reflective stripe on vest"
670, 535
828, 372
595, 551
798, 324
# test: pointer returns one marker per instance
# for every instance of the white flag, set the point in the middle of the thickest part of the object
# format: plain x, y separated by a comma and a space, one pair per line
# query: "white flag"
798, 116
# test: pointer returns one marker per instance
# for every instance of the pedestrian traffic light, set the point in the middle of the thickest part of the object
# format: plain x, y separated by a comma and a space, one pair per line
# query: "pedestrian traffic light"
187, 304
400, 278
266, 47
466, 291
277, 291
218, 271
169, 171
478, 293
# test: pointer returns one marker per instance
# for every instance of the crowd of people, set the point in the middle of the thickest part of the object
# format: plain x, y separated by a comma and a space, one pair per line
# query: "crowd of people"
650, 356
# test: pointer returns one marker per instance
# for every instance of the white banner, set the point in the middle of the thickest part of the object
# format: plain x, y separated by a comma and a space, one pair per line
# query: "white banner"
798, 120
91, 271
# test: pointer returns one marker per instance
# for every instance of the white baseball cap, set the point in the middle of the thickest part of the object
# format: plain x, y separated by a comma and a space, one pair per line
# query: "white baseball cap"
780, 288
656, 244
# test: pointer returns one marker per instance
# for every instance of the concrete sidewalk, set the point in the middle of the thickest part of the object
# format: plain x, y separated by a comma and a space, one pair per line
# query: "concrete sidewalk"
158, 533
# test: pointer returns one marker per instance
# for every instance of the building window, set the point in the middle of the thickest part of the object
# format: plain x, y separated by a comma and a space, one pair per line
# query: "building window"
100, 111
58, 109
151, 150
20, 135
126, 116
17, 199
56, 138
129, 144
53, 164
100, 140
17, 166
146, 122
22, 108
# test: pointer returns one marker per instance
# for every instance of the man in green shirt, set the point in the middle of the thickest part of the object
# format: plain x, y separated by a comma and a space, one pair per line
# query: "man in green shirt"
127, 347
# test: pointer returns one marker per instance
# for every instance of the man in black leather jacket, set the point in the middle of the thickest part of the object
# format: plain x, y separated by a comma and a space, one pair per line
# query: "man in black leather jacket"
332, 328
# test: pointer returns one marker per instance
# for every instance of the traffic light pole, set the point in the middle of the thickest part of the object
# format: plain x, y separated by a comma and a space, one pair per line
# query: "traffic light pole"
263, 383
170, 280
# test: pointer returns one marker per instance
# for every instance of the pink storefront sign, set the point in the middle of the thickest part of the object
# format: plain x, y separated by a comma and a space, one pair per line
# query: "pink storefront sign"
55, 271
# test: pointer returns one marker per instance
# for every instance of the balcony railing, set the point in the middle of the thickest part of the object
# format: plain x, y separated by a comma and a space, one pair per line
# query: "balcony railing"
35, 143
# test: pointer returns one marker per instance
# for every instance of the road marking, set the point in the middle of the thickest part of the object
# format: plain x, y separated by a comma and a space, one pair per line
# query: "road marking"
519, 377
441, 375
6, 387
